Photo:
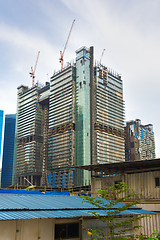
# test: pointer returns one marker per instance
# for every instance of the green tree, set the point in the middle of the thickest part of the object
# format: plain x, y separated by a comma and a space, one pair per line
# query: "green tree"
155, 236
116, 229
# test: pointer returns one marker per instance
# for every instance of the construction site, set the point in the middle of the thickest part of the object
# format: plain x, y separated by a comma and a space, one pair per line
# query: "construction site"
75, 119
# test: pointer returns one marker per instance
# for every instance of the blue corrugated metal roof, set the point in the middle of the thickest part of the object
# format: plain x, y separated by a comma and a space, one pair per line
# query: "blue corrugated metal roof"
30, 202
46, 206
13, 215
35, 202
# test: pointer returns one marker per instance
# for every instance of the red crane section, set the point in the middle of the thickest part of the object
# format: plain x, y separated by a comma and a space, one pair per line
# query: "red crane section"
32, 73
62, 52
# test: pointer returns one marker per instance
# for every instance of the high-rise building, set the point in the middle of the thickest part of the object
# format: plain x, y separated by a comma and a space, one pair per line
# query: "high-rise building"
31, 135
85, 123
8, 150
139, 141
0, 177
61, 139
1, 128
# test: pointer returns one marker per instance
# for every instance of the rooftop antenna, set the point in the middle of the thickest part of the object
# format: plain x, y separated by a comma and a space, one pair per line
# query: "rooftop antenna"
101, 56
62, 52
47, 77
32, 73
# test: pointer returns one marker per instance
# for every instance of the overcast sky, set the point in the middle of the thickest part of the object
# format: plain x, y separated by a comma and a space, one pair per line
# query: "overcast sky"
129, 30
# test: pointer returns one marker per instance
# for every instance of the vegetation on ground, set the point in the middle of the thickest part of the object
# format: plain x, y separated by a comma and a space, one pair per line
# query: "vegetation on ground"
116, 229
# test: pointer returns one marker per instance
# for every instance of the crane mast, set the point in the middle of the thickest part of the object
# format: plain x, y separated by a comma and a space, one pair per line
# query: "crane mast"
101, 56
32, 73
62, 52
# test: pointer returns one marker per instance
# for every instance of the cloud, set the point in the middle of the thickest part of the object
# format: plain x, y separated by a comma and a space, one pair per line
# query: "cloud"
128, 30
22, 49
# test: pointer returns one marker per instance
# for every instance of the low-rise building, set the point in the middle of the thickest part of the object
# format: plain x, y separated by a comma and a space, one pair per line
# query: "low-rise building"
55, 217
141, 176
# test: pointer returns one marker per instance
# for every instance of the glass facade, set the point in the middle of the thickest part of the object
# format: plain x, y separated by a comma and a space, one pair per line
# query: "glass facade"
1, 128
8, 150
82, 126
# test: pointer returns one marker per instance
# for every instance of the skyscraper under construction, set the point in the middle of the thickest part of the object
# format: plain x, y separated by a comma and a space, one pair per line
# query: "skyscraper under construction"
139, 141
77, 119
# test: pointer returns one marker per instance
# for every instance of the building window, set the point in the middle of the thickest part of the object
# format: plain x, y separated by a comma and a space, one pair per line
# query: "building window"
117, 182
157, 182
68, 230
80, 84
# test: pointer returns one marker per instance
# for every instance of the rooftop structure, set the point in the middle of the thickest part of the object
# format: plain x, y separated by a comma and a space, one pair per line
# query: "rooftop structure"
124, 167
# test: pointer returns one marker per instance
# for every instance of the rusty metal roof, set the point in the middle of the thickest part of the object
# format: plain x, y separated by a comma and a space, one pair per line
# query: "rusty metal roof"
123, 167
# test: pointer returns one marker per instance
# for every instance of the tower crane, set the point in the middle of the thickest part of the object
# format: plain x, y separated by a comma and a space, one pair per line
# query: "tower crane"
62, 52
101, 56
32, 73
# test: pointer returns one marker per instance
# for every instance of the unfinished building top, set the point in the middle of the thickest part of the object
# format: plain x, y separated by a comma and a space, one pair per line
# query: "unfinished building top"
22, 86
82, 48
138, 122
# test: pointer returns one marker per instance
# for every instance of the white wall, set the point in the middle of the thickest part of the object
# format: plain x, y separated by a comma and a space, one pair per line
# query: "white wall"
31, 229
27, 229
